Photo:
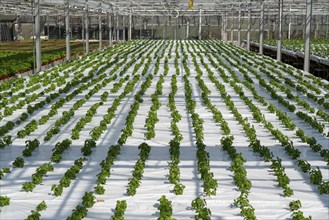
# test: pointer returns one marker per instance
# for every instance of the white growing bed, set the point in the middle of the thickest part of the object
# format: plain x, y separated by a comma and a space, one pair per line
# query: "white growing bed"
264, 196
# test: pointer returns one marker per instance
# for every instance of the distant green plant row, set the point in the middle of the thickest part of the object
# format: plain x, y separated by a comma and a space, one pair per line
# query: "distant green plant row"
18, 57
319, 47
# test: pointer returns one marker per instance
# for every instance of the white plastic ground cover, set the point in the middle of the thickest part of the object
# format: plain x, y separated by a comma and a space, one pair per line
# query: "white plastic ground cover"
265, 196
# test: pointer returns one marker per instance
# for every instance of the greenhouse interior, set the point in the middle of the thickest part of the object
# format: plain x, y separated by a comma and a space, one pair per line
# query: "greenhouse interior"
170, 109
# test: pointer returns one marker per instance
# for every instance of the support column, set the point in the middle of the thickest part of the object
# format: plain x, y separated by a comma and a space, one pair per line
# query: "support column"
67, 29
249, 26
37, 35
19, 29
187, 29
47, 18
59, 28
225, 27
307, 35
109, 17
83, 31
261, 28
239, 28
200, 24
129, 28
140, 29
87, 27
279, 54
289, 25
100, 29
123, 28
117, 28
232, 26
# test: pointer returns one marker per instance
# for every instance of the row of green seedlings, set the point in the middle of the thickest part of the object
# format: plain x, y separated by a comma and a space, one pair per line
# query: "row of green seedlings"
312, 121
5, 141
240, 174
90, 144
56, 106
69, 176
138, 171
315, 174
120, 210
277, 83
33, 125
97, 131
209, 183
34, 85
81, 210
302, 78
93, 110
283, 117
250, 131
35, 214
79, 79
240, 180
15, 84
177, 57
37, 177
127, 131
31, 145
114, 150
295, 206
174, 171
311, 141
152, 117
199, 205
165, 209
105, 81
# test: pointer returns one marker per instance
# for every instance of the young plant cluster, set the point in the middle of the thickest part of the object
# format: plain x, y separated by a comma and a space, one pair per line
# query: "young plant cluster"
30, 146
120, 209
138, 171
200, 207
165, 209
41, 171
152, 117
59, 149
5, 141
69, 175
35, 214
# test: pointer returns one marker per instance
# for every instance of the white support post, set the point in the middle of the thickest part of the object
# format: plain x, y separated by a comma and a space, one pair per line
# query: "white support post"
129, 29
279, 53
187, 29
47, 18
100, 29
249, 26
37, 35
232, 26
87, 27
200, 24
140, 29
289, 25
59, 28
261, 28
308, 35
117, 29
123, 27
109, 17
225, 27
239, 28
67, 29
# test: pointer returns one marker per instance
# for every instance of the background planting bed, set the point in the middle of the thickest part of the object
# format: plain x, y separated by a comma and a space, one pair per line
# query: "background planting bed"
265, 196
